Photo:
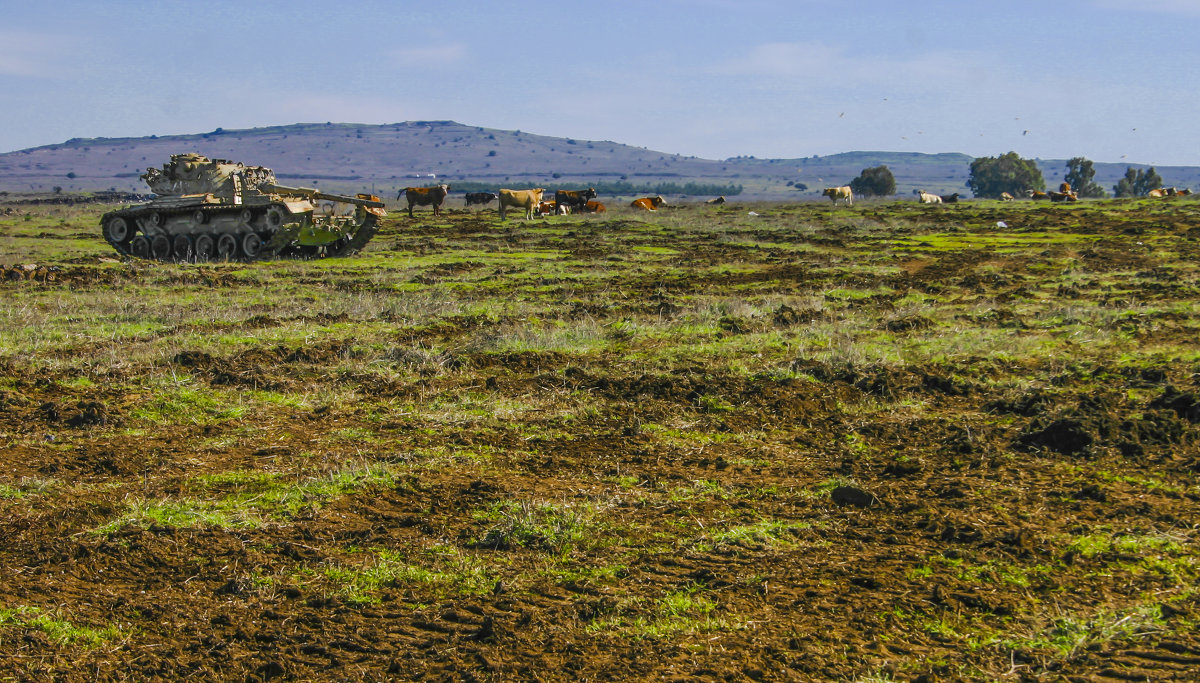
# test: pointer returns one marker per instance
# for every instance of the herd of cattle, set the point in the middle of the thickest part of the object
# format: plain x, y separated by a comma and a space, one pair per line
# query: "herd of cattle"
584, 201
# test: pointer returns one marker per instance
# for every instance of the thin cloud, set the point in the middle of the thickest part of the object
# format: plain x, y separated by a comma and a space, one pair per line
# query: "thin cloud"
818, 63
448, 54
1185, 7
31, 54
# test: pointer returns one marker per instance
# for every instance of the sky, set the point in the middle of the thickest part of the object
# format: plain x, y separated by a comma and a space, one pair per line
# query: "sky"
1110, 80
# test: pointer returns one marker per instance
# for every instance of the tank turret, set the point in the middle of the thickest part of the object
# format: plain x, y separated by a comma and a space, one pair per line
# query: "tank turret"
217, 209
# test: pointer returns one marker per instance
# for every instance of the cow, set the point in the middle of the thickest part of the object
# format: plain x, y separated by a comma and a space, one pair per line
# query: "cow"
648, 203
594, 206
480, 198
950, 198
547, 208
1183, 193
1035, 195
835, 193
574, 199
425, 196
525, 199
1064, 188
1006, 197
928, 198
1062, 196
1157, 194
718, 200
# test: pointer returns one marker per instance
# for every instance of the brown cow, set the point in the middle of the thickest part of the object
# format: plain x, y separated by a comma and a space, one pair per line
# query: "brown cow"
574, 199
525, 199
648, 203
1035, 195
1065, 188
594, 206
425, 196
1062, 196
718, 200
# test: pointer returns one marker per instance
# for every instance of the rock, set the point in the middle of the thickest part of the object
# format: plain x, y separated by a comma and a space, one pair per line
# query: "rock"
850, 495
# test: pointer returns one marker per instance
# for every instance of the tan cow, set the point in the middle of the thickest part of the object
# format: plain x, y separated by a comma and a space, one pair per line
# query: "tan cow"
718, 200
1157, 194
525, 199
1006, 197
928, 198
835, 193
648, 203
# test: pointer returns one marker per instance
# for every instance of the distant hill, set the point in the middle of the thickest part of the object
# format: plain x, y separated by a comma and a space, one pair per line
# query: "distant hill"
343, 157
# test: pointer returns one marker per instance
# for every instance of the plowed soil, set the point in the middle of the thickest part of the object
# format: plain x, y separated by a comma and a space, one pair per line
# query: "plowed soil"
887, 443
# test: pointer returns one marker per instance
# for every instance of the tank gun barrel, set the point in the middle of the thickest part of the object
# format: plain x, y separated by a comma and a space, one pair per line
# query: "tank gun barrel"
313, 193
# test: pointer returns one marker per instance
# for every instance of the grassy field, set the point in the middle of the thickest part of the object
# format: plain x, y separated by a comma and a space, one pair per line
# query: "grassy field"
891, 442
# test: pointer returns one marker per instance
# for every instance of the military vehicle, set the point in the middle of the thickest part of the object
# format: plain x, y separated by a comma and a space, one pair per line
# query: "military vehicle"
207, 209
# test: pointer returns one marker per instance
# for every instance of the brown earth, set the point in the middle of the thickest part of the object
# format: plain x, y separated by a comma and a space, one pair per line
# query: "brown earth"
898, 532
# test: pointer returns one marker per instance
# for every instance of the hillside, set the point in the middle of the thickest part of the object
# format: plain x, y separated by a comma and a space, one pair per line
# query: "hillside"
384, 158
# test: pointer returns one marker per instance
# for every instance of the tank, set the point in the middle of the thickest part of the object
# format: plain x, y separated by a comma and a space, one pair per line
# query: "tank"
214, 209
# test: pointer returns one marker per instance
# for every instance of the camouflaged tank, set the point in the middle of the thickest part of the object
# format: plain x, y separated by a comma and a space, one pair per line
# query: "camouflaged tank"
209, 209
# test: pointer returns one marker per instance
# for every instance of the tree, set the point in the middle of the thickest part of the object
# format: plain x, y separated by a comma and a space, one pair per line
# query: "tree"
874, 182
1137, 183
992, 176
1079, 176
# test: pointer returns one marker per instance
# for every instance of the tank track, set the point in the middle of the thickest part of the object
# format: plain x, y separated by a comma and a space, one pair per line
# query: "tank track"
239, 233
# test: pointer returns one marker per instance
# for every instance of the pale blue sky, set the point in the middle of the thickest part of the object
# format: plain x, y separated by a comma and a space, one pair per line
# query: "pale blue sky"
1106, 79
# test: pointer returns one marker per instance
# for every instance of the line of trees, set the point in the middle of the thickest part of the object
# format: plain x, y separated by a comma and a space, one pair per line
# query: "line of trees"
991, 176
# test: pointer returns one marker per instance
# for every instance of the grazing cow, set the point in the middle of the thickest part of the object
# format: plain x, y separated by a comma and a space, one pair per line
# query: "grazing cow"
1157, 194
574, 199
480, 198
525, 199
950, 198
425, 196
835, 193
928, 198
648, 203
1035, 195
1062, 196
1006, 197
594, 206
718, 200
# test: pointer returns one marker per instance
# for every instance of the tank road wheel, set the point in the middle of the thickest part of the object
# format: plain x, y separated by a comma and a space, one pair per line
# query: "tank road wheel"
246, 216
160, 246
252, 245
199, 217
116, 229
275, 217
139, 246
227, 246
156, 218
181, 246
204, 247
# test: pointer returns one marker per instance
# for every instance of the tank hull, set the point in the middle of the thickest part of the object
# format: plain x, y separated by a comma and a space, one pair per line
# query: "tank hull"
237, 213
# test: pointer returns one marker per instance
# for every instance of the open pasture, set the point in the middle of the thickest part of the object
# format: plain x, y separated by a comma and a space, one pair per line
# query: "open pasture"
890, 442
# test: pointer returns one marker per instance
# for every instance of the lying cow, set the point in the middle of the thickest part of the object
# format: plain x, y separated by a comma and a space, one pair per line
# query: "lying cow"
574, 200
927, 197
425, 196
648, 203
525, 199
718, 200
1036, 195
479, 198
950, 198
594, 206
1062, 196
1157, 193
835, 193
546, 208
1006, 197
